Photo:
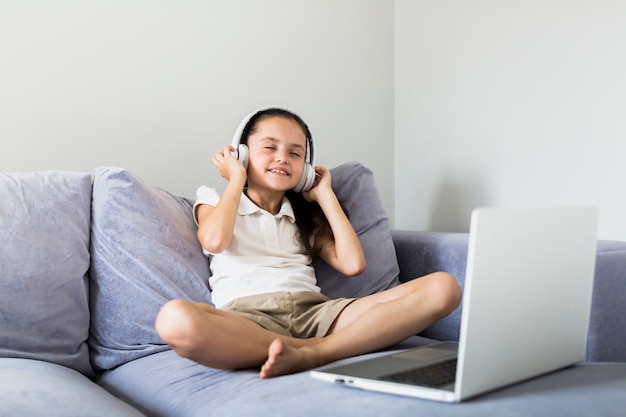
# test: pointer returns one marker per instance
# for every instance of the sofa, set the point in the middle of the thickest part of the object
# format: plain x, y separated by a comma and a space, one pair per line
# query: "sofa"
88, 259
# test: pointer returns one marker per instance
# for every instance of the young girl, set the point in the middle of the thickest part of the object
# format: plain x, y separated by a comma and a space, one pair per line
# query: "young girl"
261, 237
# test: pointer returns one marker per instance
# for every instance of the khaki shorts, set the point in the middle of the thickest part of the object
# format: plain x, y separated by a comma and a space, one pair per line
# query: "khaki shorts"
302, 314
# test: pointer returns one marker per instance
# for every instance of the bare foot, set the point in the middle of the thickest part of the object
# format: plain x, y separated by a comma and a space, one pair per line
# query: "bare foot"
283, 359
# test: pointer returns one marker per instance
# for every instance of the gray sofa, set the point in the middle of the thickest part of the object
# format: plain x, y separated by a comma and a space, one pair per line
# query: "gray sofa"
87, 260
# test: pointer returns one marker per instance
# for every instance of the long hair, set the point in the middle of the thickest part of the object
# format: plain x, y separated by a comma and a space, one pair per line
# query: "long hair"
310, 219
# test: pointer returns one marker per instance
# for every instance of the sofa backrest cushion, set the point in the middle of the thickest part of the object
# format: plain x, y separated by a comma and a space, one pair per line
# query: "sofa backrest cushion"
355, 187
144, 252
44, 259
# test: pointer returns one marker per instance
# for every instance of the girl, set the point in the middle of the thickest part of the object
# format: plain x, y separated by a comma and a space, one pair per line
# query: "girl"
261, 237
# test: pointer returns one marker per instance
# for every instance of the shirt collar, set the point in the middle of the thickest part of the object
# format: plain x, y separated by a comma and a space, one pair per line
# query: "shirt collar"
247, 207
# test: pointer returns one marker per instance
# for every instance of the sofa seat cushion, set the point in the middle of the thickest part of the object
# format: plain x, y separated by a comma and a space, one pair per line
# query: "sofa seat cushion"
44, 258
165, 384
41, 389
144, 252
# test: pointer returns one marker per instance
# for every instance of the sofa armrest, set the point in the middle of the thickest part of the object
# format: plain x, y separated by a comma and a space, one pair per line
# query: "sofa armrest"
607, 329
421, 253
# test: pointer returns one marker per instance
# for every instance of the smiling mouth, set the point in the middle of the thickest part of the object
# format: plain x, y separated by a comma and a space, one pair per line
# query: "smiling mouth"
279, 171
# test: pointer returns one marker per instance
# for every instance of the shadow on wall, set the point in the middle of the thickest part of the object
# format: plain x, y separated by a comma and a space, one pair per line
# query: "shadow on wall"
453, 202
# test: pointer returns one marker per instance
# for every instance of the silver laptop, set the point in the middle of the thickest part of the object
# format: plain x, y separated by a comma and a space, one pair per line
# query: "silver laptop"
525, 311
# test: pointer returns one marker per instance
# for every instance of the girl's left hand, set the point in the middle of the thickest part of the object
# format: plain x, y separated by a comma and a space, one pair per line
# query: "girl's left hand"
322, 184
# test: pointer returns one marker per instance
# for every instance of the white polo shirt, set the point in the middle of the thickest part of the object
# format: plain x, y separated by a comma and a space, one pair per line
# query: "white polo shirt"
264, 255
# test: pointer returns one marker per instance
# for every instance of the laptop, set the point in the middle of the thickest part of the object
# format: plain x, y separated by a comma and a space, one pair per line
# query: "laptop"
525, 310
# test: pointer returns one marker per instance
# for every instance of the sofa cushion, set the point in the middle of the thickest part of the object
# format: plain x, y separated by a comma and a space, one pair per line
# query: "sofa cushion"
144, 252
165, 384
41, 389
44, 254
356, 190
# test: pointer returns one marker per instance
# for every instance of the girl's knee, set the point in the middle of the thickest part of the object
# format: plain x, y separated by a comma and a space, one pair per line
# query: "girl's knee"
175, 322
447, 290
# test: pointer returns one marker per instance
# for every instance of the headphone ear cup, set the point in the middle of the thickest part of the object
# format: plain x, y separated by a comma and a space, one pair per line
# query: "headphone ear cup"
243, 155
307, 180
310, 179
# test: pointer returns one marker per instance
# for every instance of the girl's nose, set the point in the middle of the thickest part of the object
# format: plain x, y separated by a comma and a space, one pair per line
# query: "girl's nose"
281, 157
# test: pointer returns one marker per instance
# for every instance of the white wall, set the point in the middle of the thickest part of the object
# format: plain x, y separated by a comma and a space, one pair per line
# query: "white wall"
159, 86
513, 103
494, 102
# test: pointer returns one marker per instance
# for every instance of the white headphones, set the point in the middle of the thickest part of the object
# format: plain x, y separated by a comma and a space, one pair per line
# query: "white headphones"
242, 154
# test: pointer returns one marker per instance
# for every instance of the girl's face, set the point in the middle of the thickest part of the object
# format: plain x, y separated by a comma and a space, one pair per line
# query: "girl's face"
277, 154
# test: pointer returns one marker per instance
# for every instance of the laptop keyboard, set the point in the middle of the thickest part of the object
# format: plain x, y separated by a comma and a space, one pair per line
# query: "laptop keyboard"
433, 376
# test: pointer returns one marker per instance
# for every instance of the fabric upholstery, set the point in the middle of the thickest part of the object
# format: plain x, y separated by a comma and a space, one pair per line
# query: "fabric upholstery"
40, 389
607, 327
355, 187
167, 385
144, 252
422, 253
44, 258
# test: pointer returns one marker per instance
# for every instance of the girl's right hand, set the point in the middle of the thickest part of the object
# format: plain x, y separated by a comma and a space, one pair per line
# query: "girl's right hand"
227, 165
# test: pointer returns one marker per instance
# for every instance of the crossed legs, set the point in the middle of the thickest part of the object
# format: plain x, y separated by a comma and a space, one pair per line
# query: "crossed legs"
224, 340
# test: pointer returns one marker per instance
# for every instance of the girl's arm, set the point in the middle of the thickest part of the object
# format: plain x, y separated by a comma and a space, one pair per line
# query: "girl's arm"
216, 224
345, 252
